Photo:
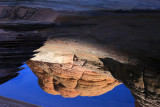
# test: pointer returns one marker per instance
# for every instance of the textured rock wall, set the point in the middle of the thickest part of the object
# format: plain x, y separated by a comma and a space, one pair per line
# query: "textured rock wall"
142, 80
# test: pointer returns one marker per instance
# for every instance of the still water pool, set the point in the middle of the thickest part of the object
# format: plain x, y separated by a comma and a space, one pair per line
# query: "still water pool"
25, 88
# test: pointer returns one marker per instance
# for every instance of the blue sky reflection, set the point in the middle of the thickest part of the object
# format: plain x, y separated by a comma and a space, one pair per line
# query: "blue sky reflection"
25, 88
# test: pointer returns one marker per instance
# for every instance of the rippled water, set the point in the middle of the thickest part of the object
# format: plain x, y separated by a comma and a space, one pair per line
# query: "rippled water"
81, 5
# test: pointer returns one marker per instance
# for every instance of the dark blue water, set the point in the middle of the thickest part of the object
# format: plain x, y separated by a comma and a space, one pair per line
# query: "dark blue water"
25, 88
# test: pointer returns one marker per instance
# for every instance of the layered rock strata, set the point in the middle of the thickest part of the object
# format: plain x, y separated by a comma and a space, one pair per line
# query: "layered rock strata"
67, 81
141, 79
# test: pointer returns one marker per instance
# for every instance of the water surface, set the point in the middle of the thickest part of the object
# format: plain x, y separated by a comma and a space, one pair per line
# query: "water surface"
25, 88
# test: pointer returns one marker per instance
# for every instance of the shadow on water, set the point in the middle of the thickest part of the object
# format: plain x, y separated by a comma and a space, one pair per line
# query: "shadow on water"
17, 41
140, 79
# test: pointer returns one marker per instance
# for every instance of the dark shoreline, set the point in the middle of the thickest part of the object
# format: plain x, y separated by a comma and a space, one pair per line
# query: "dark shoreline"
7, 102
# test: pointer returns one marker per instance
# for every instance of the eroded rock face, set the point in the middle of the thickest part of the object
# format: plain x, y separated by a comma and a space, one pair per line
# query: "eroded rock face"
64, 64
138, 38
69, 67
141, 79
71, 80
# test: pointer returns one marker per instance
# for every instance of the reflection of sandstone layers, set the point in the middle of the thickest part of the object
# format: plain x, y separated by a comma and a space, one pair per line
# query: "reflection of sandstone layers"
70, 69
61, 79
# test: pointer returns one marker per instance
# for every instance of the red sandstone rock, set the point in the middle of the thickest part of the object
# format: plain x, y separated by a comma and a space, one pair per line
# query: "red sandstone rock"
57, 80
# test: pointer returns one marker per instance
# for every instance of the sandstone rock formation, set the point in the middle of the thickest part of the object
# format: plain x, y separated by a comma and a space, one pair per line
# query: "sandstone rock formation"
66, 67
67, 81
141, 79
132, 50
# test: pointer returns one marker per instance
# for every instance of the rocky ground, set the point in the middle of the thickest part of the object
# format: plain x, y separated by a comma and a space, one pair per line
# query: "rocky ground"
7, 102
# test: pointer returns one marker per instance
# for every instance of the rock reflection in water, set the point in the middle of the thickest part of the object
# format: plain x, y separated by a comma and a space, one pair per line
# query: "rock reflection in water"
71, 71
59, 79
71, 66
